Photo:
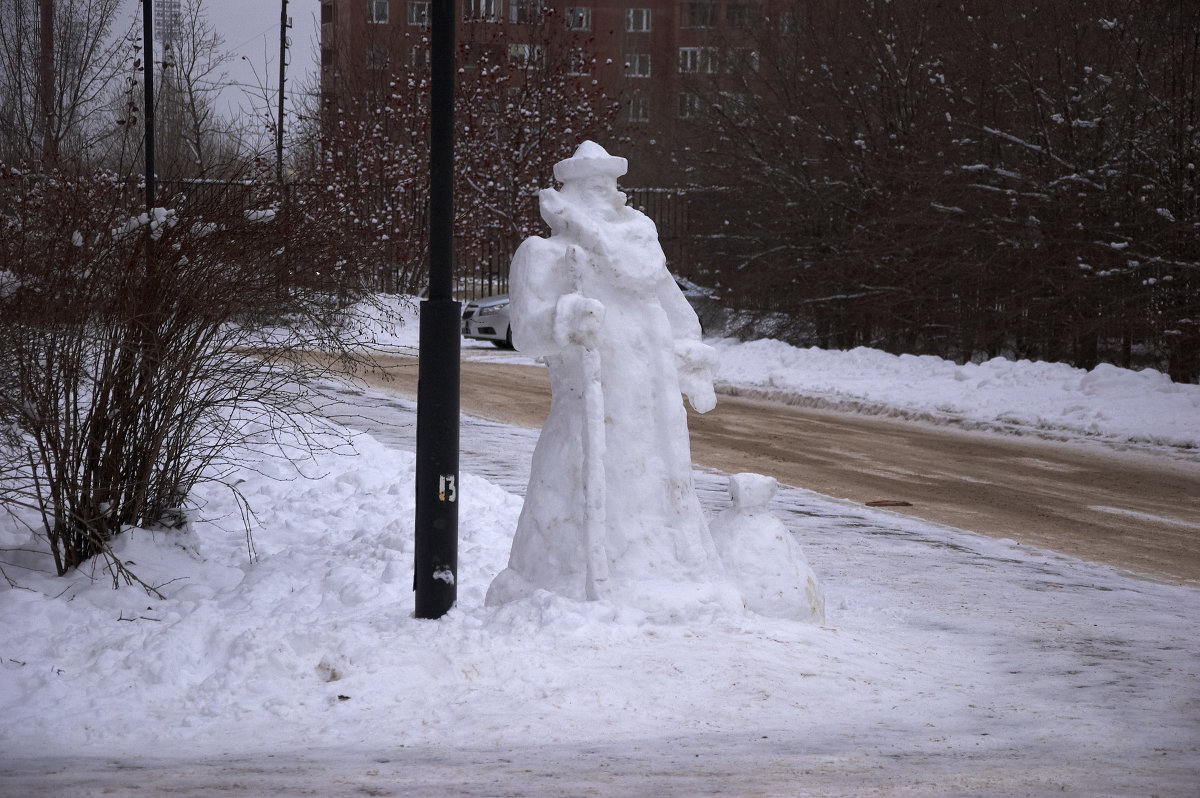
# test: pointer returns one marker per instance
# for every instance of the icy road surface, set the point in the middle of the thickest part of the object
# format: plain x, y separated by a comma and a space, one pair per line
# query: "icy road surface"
1133, 505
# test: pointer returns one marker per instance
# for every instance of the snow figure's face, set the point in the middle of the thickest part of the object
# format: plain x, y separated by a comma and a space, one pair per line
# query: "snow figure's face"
596, 193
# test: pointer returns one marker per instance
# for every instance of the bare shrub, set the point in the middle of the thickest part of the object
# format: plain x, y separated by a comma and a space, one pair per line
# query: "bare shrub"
139, 350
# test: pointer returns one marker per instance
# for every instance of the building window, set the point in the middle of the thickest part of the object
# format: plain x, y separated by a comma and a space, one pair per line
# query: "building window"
741, 15
377, 11
326, 13
418, 13
637, 20
695, 60
526, 56
418, 57
579, 64
579, 18
525, 12
637, 65
485, 55
326, 56
377, 57
697, 15
742, 60
490, 107
735, 105
689, 105
639, 108
481, 10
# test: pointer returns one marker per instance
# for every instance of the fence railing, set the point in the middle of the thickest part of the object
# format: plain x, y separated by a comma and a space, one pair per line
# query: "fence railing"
482, 269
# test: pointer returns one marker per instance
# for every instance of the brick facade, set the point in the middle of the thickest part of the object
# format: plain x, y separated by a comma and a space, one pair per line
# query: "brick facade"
636, 50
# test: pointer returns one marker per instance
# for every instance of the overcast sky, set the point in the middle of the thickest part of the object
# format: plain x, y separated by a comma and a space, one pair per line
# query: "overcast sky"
250, 29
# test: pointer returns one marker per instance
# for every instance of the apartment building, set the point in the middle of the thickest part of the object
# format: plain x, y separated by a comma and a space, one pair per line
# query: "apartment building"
642, 52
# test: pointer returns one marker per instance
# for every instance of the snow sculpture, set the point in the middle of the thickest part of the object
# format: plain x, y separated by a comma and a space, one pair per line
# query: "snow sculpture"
763, 558
611, 512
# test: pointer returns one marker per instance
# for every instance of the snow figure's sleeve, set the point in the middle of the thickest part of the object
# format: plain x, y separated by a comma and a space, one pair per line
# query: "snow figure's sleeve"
536, 281
695, 360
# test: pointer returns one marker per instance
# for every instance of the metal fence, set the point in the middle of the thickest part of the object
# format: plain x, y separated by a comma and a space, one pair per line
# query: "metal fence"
482, 269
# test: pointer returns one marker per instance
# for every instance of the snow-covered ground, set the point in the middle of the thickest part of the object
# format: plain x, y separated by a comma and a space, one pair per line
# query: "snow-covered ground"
950, 663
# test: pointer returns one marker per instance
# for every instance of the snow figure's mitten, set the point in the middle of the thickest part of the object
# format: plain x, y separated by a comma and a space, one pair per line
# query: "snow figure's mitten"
577, 320
763, 558
697, 365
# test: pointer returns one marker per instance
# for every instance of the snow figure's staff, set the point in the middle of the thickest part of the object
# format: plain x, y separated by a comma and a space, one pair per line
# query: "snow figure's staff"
594, 491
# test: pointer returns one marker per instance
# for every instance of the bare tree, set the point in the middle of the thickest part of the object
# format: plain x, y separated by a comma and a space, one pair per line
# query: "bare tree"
820, 114
520, 109
62, 123
195, 138
967, 181
1079, 144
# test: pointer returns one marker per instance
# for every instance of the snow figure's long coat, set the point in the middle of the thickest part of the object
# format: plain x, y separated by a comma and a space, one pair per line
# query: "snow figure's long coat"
654, 542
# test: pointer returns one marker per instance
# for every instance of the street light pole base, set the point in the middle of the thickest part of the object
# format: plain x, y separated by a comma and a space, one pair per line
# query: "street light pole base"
435, 571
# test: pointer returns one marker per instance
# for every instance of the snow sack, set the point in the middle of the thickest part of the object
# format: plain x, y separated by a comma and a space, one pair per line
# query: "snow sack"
762, 557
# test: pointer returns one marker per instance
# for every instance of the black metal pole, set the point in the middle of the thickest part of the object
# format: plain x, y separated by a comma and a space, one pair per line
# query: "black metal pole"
435, 576
46, 82
283, 26
284, 211
148, 72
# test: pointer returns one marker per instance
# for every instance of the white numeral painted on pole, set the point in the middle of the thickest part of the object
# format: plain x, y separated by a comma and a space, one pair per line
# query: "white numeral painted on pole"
446, 490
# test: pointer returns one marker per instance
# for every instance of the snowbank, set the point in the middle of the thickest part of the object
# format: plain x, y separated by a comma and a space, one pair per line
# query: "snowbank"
1107, 403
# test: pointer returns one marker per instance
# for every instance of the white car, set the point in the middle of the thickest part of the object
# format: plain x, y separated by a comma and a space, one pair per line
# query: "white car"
487, 320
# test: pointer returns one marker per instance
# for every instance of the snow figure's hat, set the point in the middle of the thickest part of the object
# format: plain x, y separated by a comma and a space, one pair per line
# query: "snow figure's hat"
590, 159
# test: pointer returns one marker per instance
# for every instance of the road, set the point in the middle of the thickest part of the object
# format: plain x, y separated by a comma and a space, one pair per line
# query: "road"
1133, 510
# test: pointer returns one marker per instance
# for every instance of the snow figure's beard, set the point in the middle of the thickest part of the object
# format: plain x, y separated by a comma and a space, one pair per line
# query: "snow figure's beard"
596, 200
599, 198
592, 214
